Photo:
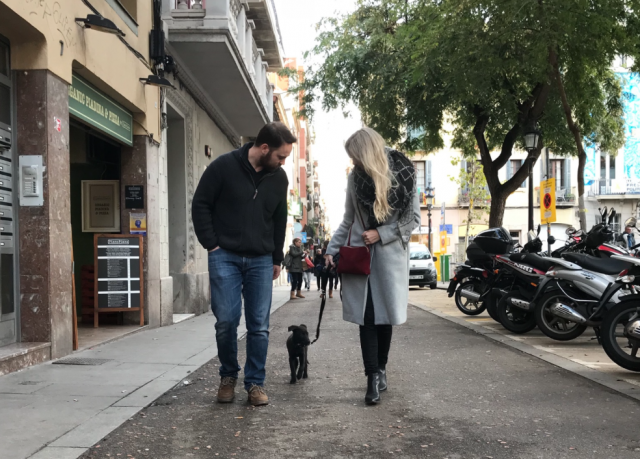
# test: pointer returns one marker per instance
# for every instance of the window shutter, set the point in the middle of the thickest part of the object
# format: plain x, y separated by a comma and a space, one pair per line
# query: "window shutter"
427, 173
509, 170
524, 184
567, 175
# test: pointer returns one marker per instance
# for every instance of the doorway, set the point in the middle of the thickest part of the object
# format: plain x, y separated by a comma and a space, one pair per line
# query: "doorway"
178, 208
9, 315
93, 156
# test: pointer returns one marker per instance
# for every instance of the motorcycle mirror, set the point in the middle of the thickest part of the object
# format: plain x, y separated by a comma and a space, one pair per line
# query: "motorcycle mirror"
605, 212
539, 227
611, 215
569, 231
531, 235
630, 222
551, 240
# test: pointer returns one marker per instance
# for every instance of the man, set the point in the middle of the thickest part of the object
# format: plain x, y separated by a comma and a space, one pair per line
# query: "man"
628, 237
240, 216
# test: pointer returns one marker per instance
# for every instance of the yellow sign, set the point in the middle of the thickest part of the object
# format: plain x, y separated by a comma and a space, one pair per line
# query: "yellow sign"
548, 201
444, 240
138, 223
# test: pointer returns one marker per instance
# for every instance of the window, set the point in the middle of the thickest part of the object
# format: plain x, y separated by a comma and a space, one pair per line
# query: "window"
128, 12
514, 166
612, 167
423, 174
603, 166
556, 167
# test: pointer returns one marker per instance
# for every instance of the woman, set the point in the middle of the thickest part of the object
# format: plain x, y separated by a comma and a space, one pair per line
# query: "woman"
297, 255
381, 210
318, 262
307, 272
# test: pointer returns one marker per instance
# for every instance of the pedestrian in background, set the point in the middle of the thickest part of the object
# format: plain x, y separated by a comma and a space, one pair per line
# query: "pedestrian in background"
381, 211
307, 271
628, 237
297, 254
239, 214
318, 262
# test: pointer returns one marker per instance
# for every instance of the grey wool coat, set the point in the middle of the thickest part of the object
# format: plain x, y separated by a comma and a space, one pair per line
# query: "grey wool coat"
389, 277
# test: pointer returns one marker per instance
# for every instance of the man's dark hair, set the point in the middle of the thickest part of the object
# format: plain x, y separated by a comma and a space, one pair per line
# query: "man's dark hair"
275, 134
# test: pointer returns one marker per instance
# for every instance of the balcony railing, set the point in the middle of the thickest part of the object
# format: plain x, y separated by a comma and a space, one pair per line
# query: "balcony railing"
615, 187
564, 197
188, 4
463, 201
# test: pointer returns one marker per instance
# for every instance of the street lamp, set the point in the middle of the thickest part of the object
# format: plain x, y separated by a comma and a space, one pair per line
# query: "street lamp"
532, 139
430, 195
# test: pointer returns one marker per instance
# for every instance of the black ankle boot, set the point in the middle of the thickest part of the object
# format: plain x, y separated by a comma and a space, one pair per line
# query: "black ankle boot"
373, 389
383, 379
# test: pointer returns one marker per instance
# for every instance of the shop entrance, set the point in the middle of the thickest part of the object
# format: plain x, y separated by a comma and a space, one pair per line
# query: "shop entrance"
93, 157
9, 317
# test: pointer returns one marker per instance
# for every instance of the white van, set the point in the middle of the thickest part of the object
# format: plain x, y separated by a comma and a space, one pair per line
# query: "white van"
422, 270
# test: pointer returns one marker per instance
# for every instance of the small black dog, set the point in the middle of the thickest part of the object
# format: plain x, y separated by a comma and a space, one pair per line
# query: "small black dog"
297, 345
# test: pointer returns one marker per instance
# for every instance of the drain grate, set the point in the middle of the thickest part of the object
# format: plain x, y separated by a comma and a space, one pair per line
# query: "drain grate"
81, 361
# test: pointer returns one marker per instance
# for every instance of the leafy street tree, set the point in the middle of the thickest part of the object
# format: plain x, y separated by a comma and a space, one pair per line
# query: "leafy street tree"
471, 180
491, 68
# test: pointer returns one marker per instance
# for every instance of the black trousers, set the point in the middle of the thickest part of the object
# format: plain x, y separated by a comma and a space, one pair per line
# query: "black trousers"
375, 340
296, 281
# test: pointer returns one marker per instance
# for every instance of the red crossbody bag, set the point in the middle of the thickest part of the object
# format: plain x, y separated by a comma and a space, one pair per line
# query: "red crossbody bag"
354, 260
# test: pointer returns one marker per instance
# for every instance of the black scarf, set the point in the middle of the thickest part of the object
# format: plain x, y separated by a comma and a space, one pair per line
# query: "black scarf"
401, 191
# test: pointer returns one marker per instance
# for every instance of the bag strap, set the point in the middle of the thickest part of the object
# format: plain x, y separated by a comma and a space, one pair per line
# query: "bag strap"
361, 220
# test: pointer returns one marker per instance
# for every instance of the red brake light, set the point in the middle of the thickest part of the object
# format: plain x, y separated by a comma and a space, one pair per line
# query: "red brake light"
485, 273
624, 273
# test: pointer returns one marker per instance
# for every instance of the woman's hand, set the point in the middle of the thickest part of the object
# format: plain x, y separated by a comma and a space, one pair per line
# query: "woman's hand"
328, 260
371, 237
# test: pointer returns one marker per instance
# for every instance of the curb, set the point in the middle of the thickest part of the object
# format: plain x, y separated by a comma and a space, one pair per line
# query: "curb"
608, 381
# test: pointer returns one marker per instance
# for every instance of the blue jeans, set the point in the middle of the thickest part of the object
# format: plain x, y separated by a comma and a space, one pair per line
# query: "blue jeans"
232, 278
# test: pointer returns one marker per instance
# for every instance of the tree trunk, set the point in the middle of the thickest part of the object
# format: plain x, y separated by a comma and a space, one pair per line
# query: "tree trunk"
582, 159
498, 204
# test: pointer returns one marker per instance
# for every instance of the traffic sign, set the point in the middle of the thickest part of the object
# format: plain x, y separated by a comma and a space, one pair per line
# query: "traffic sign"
444, 240
548, 201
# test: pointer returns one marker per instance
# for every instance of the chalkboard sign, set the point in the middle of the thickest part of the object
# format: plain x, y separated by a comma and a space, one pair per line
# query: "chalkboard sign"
119, 276
134, 197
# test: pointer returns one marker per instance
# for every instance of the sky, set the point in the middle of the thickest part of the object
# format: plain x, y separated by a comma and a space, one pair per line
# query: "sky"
297, 19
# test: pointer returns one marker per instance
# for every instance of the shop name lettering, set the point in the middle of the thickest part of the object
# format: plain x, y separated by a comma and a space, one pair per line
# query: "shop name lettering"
97, 108
53, 12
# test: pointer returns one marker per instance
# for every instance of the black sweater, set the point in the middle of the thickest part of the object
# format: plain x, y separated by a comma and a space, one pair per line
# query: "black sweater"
233, 212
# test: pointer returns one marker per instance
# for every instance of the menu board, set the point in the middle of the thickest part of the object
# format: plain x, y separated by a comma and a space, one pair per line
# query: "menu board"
119, 274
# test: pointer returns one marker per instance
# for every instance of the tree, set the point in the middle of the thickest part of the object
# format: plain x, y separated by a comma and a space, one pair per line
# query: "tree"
471, 179
489, 67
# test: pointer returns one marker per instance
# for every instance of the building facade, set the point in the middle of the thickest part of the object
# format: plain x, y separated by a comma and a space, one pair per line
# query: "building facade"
73, 110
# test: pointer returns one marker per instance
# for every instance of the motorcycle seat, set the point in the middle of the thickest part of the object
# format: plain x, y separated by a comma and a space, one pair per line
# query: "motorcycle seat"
599, 265
531, 259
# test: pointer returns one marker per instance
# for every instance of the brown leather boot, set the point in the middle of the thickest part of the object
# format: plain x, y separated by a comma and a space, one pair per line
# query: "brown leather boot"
330, 293
257, 395
293, 296
226, 391
299, 294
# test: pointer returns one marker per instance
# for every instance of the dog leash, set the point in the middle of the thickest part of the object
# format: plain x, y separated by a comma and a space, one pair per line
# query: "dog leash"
324, 278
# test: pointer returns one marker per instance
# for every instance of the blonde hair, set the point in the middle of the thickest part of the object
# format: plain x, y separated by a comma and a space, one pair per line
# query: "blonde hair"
366, 148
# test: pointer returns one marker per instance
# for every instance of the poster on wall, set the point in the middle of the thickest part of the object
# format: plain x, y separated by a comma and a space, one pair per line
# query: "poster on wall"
138, 223
100, 206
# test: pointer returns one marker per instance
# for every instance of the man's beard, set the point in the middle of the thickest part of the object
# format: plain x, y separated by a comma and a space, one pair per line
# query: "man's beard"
266, 162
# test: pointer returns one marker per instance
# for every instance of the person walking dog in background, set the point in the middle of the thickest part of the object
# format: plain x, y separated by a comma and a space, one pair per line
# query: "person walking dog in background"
297, 255
381, 211
239, 214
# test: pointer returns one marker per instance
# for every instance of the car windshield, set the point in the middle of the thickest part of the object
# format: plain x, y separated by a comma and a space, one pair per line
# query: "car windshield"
420, 253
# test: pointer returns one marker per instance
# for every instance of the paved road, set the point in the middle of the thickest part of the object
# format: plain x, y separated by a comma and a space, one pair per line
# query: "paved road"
452, 394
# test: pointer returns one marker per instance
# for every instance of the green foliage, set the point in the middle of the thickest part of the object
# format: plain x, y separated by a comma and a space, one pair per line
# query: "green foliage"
473, 184
484, 65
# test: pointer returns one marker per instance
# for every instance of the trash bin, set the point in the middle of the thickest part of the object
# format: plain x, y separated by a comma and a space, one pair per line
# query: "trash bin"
445, 267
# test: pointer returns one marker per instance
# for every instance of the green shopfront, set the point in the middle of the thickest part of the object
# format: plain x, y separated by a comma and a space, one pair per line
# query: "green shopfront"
101, 138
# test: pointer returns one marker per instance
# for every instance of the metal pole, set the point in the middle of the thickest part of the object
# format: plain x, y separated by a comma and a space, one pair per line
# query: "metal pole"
429, 215
548, 239
530, 195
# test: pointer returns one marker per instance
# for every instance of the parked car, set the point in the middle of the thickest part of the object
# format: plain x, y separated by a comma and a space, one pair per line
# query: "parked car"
422, 270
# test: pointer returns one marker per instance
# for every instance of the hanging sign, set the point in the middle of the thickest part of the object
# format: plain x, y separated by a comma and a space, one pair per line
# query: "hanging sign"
100, 111
548, 201
119, 274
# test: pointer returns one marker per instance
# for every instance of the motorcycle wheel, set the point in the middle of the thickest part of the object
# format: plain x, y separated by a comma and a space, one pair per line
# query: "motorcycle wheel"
552, 326
515, 319
492, 306
620, 348
465, 305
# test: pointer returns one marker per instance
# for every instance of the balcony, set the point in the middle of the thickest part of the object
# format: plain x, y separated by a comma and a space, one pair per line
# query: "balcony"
214, 41
463, 201
615, 189
564, 197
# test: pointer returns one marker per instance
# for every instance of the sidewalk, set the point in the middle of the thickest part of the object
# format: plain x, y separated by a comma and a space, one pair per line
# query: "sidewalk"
53, 411
452, 394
